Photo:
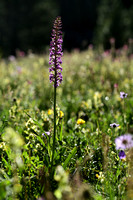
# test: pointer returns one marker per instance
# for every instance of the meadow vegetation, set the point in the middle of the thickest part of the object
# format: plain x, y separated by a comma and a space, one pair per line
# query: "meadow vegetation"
86, 162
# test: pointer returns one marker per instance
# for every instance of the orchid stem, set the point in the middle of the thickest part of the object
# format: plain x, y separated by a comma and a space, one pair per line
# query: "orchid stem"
53, 151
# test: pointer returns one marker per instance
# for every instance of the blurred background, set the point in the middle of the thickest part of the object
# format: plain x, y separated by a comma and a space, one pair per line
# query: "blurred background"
26, 24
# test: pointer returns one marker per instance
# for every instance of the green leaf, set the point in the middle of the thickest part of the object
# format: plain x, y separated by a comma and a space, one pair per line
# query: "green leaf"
41, 141
36, 122
69, 157
7, 165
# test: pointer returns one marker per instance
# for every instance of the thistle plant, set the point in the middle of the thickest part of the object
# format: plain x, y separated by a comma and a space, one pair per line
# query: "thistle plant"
55, 67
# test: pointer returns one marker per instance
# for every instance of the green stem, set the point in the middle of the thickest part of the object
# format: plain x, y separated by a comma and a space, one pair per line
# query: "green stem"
61, 130
54, 127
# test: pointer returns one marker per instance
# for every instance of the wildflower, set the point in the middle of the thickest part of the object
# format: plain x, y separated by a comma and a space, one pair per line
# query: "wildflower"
41, 198
123, 95
125, 47
112, 40
106, 98
50, 111
91, 46
122, 154
97, 175
56, 54
61, 114
100, 176
46, 132
80, 121
20, 53
115, 85
43, 134
114, 125
124, 141
19, 69
12, 58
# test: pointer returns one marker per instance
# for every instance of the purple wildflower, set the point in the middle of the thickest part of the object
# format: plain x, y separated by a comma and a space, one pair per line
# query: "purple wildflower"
114, 125
12, 58
46, 133
124, 141
112, 40
56, 54
123, 95
122, 154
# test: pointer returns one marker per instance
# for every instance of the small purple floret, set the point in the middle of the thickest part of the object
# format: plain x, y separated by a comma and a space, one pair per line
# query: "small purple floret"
114, 125
46, 133
56, 54
122, 154
123, 95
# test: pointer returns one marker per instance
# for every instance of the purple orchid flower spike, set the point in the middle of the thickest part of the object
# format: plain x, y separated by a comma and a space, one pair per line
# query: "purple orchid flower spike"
56, 54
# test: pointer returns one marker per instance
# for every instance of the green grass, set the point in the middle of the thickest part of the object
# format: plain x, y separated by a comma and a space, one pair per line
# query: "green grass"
92, 168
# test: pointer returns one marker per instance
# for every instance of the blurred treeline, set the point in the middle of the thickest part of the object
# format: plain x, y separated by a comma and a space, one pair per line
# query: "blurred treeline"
27, 24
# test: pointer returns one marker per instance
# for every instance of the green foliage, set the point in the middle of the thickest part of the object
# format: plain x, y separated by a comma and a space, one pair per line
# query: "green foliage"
113, 18
69, 157
86, 151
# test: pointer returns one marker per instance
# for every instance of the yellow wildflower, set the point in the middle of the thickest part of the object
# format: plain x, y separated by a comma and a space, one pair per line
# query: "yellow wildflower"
50, 111
61, 114
97, 175
80, 121
100, 176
